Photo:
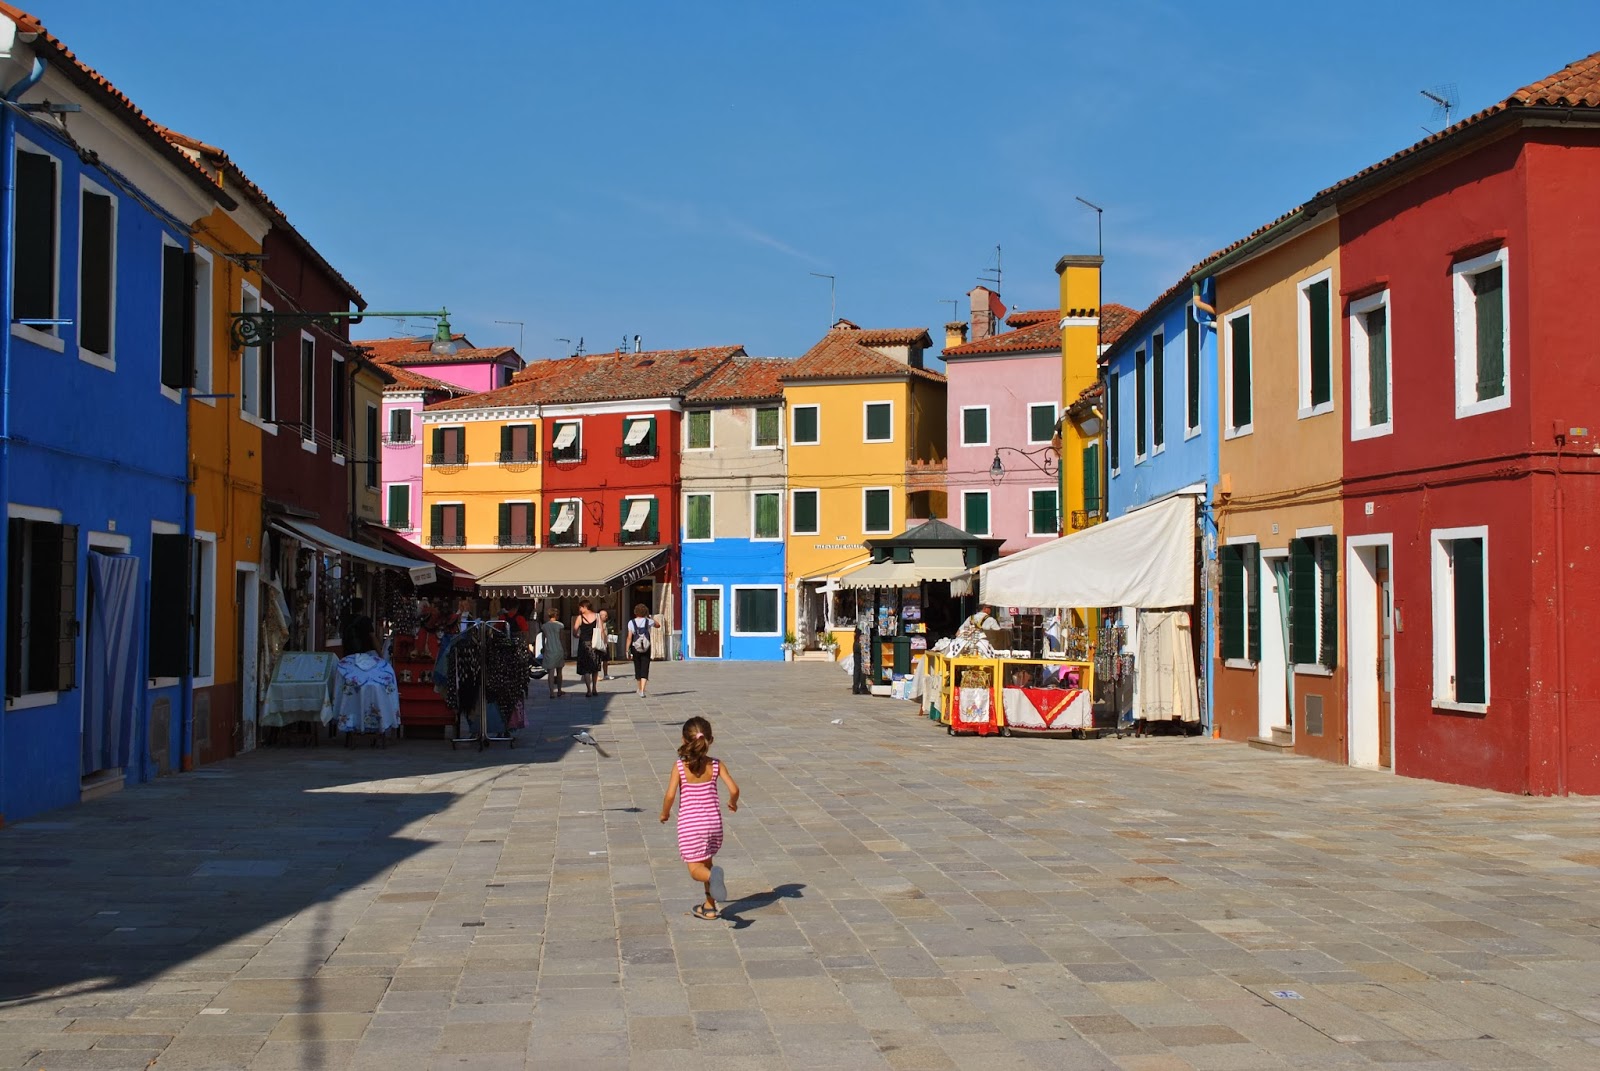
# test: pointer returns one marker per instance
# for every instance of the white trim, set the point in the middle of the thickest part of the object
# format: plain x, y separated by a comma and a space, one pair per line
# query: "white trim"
107, 361
627, 426
794, 413
1054, 491
988, 511
711, 517
1314, 531
711, 430
1055, 416
627, 512
1303, 344
1080, 321
1466, 332
754, 513
206, 621
866, 420
163, 528
865, 491
987, 427
115, 542
548, 527
688, 613
308, 405
250, 362
733, 608
1157, 416
205, 300
1443, 605
1191, 431
1362, 649
1231, 430
36, 513
32, 700
755, 425
556, 426
794, 494
1361, 373
1240, 539
51, 338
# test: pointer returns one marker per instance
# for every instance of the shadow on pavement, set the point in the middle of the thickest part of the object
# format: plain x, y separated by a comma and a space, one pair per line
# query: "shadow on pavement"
733, 910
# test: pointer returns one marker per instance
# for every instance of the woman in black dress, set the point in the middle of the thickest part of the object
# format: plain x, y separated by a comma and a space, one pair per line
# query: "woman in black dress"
584, 629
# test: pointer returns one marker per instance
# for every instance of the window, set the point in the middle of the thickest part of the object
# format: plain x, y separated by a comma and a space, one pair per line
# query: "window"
399, 425
372, 445
267, 380
1158, 393
975, 512
975, 425
1371, 396
1041, 422
250, 361
697, 429
1239, 602
1113, 423
36, 253
639, 437
875, 512
566, 523
1139, 404
1091, 478
697, 517
566, 440
1239, 388
805, 431
336, 419
201, 314
449, 447
171, 573
400, 507
447, 525
879, 417
516, 525
1482, 353
756, 611
308, 392
1044, 517
1191, 373
518, 444
1461, 618
768, 427
1313, 601
766, 509
203, 608
804, 516
97, 273
176, 289
1316, 345
41, 607
639, 521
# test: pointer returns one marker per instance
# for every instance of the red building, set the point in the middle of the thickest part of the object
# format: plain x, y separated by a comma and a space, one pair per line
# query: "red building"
1473, 446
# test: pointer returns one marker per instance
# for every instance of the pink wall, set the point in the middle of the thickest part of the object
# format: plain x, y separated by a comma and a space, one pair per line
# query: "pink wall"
1007, 385
474, 376
403, 463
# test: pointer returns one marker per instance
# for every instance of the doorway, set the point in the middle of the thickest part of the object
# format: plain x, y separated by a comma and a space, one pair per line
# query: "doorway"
247, 633
1369, 593
1273, 679
111, 692
706, 615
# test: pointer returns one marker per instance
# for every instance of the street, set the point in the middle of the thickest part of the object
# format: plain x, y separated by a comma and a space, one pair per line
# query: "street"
900, 899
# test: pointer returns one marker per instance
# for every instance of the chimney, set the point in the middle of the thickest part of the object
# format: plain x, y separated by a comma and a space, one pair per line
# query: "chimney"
955, 334
638, 344
984, 322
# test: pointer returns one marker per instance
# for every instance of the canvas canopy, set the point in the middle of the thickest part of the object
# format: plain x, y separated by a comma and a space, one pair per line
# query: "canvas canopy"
927, 563
565, 437
1143, 559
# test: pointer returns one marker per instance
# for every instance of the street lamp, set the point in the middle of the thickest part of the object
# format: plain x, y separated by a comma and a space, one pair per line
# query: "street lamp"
997, 468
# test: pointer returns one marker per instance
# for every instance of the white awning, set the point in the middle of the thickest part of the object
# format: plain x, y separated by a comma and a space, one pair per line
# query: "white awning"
637, 430
927, 563
564, 518
565, 437
1144, 559
638, 514
310, 533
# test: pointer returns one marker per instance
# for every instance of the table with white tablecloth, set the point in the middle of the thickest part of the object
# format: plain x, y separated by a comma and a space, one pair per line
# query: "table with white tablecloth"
302, 689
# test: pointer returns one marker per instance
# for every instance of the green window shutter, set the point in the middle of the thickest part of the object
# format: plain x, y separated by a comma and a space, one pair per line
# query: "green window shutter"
805, 512
169, 604
438, 443
1328, 578
1319, 298
400, 425
767, 422
975, 507
1113, 421
505, 524
699, 429
505, 442
400, 506
879, 423
1488, 288
1251, 553
1158, 389
767, 525
1376, 325
1044, 512
1041, 423
1304, 596
1091, 477
1191, 339
34, 232
1239, 412
66, 634
877, 511
1466, 563
96, 254
436, 525
975, 427
1230, 599
649, 443
698, 522
1139, 404
805, 425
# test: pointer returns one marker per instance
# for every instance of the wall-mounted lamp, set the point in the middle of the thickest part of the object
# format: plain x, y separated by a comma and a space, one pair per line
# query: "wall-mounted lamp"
997, 468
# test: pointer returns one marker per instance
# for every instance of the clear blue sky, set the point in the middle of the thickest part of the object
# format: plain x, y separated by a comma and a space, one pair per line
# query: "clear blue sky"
676, 170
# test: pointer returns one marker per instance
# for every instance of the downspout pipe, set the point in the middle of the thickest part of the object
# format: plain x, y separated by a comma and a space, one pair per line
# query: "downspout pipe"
8, 158
26, 82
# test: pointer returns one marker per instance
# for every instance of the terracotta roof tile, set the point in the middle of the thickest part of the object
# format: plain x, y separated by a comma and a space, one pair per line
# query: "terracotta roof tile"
410, 381
1115, 319
603, 377
387, 350
1043, 337
889, 336
743, 379
1029, 317
840, 355
467, 355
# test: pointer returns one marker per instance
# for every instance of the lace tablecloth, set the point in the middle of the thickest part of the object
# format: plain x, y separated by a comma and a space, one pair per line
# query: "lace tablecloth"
301, 689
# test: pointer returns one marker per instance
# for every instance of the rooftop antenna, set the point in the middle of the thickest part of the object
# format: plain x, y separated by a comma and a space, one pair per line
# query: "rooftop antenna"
992, 275
568, 341
1444, 102
955, 308
579, 351
832, 304
520, 326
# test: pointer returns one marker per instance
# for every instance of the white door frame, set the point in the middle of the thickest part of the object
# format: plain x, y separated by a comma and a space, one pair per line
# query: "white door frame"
722, 632
1273, 674
250, 652
1363, 638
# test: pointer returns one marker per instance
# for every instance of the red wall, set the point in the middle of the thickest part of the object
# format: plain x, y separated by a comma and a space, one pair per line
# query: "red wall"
605, 478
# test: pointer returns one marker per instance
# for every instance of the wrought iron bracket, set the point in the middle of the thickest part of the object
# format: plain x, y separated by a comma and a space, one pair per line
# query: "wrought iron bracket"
266, 326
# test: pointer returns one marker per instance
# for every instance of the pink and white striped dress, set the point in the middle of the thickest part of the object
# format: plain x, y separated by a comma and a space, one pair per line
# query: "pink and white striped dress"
699, 816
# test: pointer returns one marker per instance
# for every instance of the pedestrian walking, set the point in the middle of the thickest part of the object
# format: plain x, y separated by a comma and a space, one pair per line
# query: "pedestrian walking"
553, 654
639, 647
585, 630
694, 787
603, 648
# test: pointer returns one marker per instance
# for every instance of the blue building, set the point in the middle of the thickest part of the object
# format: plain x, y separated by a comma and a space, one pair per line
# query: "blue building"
731, 554
97, 555
1161, 429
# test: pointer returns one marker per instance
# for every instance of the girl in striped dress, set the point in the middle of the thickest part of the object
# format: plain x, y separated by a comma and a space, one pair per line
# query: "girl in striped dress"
695, 776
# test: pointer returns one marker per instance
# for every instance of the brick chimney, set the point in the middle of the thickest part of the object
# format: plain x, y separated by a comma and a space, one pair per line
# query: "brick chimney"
984, 323
955, 334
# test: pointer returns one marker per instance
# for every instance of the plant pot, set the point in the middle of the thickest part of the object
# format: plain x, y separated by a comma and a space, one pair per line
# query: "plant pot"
788, 656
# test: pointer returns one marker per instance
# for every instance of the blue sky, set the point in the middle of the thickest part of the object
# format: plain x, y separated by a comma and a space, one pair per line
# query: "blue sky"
676, 170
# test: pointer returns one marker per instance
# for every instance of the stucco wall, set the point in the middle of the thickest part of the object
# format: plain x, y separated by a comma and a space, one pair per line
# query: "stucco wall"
1008, 385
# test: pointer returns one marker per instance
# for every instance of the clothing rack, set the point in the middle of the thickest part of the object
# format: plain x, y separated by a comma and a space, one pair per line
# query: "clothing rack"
479, 715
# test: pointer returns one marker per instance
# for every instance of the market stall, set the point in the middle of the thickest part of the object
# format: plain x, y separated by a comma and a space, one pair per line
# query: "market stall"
971, 688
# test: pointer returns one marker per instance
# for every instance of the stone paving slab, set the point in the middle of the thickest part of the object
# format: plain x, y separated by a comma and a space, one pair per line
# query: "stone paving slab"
903, 900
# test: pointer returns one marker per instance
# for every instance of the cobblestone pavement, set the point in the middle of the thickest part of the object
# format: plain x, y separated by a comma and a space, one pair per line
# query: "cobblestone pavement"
902, 900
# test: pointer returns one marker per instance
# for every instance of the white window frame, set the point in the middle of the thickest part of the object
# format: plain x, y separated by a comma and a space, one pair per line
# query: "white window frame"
206, 621
1361, 374
107, 361
557, 424
1190, 431
204, 325
754, 538
711, 517
1303, 335
794, 415
250, 358
655, 428
866, 408
865, 491
988, 502
711, 431
755, 427
44, 515
339, 451
50, 338
733, 608
575, 533
412, 423
794, 495
987, 426
411, 514
1444, 636
533, 522
1055, 491
308, 406
1252, 577
1466, 330
1231, 430
1055, 415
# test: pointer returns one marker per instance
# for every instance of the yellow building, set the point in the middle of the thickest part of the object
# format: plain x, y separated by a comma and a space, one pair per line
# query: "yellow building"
481, 476
863, 421
1082, 460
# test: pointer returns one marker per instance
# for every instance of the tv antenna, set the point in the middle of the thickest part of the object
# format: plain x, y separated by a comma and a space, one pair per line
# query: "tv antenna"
833, 316
955, 308
520, 326
1444, 102
568, 341
992, 275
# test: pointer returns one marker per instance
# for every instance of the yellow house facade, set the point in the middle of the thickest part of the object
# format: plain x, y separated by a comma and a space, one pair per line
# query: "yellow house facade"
476, 460
1082, 453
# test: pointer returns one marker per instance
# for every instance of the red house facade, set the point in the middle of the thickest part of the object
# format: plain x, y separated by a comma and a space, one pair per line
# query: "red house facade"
1472, 446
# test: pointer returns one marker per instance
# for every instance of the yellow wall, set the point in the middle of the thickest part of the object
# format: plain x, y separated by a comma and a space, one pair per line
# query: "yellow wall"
483, 483
367, 389
1080, 369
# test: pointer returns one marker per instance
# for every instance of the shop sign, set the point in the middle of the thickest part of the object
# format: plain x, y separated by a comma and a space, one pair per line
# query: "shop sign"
423, 574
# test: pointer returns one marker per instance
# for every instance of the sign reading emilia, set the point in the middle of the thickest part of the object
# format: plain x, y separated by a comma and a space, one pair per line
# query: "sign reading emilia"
556, 574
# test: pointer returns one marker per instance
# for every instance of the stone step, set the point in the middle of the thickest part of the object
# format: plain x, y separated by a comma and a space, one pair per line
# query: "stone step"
1280, 744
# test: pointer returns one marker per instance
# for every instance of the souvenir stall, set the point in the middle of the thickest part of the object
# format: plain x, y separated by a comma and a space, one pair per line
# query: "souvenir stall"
482, 673
971, 687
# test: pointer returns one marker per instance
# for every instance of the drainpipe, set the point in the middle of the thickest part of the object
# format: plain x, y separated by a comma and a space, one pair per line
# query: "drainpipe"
8, 157
186, 686
1561, 624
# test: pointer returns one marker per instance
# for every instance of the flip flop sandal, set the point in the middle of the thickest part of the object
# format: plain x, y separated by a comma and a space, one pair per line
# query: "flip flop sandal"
700, 912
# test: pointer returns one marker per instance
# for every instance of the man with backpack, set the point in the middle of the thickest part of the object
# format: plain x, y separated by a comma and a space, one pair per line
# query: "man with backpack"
639, 646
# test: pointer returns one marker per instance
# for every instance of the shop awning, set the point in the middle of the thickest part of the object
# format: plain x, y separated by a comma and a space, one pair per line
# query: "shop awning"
557, 572
480, 563
310, 533
458, 578
832, 578
1144, 559
927, 563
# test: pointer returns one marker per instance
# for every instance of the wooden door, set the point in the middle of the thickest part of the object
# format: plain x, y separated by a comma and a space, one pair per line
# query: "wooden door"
707, 623
1385, 612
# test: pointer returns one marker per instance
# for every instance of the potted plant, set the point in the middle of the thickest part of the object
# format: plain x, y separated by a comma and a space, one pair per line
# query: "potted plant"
826, 641
789, 646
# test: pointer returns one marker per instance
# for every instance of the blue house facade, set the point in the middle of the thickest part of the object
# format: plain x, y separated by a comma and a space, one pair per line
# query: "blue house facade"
1161, 428
97, 555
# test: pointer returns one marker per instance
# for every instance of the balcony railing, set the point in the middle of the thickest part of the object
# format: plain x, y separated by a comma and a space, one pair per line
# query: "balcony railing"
514, 541
447, 461
642, 452
517, 457
448, 541
391, 440
564, 539
647, 534
568, 457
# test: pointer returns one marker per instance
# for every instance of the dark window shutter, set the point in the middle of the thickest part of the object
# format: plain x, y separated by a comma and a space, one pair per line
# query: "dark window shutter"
505, 442
169, 605
96, 253
372, 446
1239, 412
1230, 598
1091, 478
67, 619
438, 443
1158, 389
400, 506
1041, 423
975, 426
173, 320
1319, 298
805, 512
1488, 288
1376, 325
1328, 577
436, 525
1139, 439
1304, 596
33, 284
1251, 553
1113, 422
44, 607
504, 537
400, 425
1466, 560
1191, 338
15, 557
